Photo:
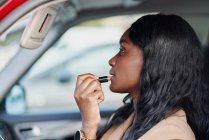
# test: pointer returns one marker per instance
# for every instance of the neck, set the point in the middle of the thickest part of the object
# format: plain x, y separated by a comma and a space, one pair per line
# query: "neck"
135, 96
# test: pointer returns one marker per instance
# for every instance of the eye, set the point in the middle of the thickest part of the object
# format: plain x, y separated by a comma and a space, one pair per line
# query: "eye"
122, 51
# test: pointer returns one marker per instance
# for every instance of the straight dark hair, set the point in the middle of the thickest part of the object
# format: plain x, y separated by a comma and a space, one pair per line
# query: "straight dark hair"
173, 76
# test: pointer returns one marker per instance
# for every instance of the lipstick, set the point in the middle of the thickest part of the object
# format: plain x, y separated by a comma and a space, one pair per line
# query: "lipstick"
104, 79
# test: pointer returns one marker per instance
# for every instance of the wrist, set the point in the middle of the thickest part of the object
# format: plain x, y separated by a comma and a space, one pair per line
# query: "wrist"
89, 129
89, 133
81, 135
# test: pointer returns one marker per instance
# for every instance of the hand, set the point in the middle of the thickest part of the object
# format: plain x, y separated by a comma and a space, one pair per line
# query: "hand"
88, 95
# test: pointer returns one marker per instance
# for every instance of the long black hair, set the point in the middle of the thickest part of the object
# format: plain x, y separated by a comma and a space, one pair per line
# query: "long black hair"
172, 78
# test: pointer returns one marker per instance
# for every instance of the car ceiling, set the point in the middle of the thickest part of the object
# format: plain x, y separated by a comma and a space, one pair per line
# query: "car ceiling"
185, 6
140, 6
73, 8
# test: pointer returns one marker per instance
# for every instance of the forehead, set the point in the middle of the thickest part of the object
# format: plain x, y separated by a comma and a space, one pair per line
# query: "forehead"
125, 38
125, 35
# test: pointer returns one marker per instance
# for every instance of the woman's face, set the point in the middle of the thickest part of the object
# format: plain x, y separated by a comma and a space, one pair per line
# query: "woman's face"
126, 66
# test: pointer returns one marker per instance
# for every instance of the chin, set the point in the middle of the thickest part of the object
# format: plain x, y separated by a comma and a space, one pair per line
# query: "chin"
112, 88
116, 89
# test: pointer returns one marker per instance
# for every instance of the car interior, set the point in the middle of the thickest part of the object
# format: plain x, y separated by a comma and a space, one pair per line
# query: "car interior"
49, 42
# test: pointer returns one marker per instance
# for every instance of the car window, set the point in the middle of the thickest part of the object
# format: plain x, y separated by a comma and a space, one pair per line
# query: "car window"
8, 48
9, 42
49, 85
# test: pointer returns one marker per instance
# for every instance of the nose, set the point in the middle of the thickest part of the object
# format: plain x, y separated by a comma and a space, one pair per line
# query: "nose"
112, 61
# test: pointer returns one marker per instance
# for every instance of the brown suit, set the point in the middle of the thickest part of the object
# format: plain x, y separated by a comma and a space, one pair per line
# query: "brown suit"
174, 127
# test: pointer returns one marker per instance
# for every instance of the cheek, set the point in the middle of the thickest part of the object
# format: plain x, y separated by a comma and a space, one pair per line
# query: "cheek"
133, 74
128, 75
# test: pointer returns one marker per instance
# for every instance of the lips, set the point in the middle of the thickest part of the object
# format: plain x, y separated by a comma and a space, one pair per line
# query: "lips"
112, 73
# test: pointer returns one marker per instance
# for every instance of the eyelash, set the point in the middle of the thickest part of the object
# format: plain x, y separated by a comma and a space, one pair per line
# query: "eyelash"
121, 52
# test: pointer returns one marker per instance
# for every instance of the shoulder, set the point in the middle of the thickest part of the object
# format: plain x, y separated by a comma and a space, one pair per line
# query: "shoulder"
175, 127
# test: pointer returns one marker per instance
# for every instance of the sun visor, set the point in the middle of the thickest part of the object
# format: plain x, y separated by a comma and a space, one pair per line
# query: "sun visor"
38, 27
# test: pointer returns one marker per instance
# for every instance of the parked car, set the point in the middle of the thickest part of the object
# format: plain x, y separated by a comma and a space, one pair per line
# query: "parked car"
45, 44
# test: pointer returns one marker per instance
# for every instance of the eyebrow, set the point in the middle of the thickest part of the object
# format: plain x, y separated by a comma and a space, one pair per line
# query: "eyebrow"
123, 41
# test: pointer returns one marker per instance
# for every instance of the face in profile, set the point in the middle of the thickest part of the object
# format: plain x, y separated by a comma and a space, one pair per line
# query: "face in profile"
126, 66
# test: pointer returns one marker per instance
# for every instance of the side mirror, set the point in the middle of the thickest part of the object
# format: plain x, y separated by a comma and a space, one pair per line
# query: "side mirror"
15, 102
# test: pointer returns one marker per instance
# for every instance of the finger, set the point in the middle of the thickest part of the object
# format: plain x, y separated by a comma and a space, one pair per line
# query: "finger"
82, 77
80, 89
99, 95
93, 86
87, 82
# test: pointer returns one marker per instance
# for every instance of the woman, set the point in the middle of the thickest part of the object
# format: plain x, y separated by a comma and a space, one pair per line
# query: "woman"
160, 65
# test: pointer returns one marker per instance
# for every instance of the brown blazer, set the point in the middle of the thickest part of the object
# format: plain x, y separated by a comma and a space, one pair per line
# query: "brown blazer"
174, 127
